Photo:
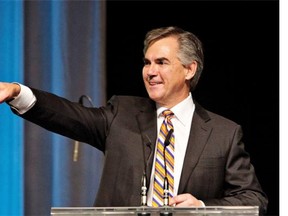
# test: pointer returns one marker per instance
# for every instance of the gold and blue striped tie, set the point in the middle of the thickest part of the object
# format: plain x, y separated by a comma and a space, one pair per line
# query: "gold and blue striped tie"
159, 176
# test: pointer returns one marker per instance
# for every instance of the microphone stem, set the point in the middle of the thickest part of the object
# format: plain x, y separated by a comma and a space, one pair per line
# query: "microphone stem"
166, 192
165, 183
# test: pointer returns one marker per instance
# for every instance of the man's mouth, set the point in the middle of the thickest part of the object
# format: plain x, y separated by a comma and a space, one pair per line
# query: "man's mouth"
153, 83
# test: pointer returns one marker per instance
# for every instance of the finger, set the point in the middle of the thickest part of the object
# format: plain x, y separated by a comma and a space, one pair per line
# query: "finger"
178, 199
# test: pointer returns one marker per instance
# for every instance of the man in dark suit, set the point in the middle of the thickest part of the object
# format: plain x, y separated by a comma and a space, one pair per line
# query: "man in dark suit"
211, 166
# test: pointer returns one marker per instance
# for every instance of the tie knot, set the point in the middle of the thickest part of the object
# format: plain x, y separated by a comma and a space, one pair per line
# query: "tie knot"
167, 113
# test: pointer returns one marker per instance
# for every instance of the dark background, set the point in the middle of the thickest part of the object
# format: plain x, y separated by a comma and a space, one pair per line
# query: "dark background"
241, 70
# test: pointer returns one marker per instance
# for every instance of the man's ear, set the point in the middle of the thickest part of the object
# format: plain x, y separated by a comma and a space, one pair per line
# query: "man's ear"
191, 70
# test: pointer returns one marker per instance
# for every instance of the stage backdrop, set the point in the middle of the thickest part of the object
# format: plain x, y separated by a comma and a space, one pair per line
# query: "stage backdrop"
63, 47
11, 127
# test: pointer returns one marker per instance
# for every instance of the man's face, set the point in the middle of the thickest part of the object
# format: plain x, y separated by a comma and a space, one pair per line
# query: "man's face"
165, 78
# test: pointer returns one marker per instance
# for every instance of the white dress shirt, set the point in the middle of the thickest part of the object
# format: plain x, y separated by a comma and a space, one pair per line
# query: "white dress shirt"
183, 113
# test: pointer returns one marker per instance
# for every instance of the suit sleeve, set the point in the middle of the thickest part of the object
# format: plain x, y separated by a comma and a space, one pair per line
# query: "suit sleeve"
70, 119
241, 184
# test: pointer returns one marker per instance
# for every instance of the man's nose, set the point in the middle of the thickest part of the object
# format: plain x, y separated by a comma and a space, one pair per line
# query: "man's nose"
152, 70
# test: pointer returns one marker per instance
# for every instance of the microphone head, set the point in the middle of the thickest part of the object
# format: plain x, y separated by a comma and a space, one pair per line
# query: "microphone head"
168, 137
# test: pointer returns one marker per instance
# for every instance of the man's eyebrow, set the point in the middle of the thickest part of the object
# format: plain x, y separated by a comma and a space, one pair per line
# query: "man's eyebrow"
157, 59
161, 59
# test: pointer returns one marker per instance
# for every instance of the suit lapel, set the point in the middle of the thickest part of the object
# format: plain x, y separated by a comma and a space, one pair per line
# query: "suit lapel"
199, 135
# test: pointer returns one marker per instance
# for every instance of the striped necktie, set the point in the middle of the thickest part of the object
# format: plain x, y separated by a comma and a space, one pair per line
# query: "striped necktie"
164, 160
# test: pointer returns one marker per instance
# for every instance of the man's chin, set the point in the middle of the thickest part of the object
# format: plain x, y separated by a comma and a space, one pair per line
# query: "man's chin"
155, 98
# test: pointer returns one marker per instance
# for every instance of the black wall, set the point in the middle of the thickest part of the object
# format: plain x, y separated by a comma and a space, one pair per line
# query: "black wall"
241, 72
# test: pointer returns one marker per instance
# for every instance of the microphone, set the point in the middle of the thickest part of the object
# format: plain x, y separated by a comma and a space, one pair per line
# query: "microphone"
146, 141
166, 183
76, 144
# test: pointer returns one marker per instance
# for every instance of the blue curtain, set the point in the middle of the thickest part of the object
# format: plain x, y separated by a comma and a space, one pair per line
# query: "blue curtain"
64, 54
11, 127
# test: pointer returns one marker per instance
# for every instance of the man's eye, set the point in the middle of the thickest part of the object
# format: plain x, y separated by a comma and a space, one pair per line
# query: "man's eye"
161, 62
146, 62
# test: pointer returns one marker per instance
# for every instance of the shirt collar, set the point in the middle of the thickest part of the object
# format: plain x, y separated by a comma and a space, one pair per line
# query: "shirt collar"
182, 110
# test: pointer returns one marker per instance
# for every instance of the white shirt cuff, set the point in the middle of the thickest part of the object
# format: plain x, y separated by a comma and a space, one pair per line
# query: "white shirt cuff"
24, 101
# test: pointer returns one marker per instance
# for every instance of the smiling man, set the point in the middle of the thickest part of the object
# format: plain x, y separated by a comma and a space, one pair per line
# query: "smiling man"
166, 79
192, 157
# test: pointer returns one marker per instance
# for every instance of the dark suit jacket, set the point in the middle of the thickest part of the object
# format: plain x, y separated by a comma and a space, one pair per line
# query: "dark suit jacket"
216, 167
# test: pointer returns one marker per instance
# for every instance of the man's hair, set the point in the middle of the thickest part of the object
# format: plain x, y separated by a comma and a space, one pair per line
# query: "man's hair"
190, 47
